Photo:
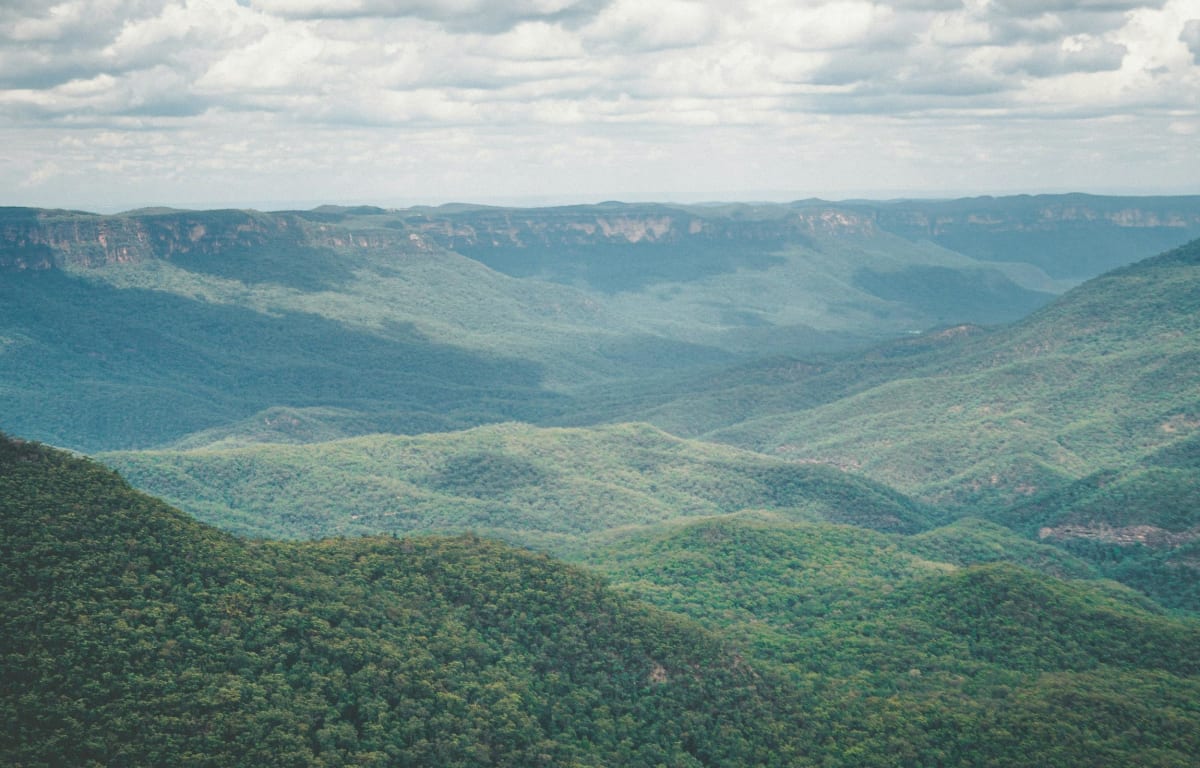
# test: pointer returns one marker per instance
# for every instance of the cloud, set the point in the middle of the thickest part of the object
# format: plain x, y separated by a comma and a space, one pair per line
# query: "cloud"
44, 44
1190, 36
484, 79
488, 16
635, 25
834, 25
1078, 53
470, 60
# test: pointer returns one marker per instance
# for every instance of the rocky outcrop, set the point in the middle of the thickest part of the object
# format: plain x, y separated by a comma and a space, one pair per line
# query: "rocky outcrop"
41, 239
633, 225
1147, 535
1040, 213
32, 239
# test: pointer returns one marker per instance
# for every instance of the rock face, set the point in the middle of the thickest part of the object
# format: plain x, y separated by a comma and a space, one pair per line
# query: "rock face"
39, 239
1068, 236
45, 239
617, 224
1071, 236
1148, 535
1042, 213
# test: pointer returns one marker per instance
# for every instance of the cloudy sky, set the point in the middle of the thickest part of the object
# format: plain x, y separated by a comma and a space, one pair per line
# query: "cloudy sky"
111, 104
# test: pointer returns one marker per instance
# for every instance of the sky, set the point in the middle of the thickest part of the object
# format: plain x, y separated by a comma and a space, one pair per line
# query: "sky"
107, 105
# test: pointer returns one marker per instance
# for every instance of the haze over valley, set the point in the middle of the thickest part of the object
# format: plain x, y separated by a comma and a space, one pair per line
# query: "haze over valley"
599, 383
856, 443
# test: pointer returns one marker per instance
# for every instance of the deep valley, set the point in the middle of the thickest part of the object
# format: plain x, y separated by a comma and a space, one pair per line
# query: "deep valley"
830, 484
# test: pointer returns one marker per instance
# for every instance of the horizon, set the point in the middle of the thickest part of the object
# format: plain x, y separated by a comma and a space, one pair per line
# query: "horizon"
534, 203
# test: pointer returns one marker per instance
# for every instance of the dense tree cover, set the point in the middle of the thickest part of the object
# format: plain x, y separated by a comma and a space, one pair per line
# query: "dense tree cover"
912, 661
972, 541
138, 367
1098, 379
544, 486
162, 323
1064, 449
1140, 525
130, 635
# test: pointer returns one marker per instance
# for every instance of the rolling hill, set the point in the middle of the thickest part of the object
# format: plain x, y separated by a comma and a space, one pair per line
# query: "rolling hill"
908, 655
551, 487
135, 635
890, 545
132, 635
1139, 524
140, 329
1099, 379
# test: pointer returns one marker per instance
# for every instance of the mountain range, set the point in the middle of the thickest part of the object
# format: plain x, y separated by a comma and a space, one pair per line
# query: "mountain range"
857, 483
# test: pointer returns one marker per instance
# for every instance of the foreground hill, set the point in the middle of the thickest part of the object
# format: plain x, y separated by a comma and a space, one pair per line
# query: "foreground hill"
546, 486
1140, 524
923, 661
152, 325
131, 635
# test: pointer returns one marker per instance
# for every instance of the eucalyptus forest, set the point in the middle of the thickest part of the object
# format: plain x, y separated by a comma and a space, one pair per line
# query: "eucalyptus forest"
904, 483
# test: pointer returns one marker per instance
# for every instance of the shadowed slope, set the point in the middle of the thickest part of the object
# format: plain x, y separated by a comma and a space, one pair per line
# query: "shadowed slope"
132, 635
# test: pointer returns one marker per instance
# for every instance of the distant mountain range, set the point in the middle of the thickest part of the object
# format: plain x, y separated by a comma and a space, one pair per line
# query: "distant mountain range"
155, 324
838, 484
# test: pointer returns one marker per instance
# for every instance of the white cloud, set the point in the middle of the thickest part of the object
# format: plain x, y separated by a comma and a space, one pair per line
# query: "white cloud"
454, 90
838, 24
1191, 37
636, 25
534, 40
489, 16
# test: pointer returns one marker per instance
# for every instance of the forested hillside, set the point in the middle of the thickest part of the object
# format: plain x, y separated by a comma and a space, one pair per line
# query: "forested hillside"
856, 484
543, 486
156, 324
1098, 379
132, 635
970, 421
922, 660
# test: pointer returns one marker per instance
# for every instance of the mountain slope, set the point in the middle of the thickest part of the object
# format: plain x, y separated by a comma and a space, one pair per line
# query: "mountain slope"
1140, 524
1100, 378
534, 485
132, 635
89, 365
152, 325
925, 661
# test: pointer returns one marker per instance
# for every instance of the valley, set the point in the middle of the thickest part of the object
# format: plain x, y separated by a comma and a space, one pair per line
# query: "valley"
859, 483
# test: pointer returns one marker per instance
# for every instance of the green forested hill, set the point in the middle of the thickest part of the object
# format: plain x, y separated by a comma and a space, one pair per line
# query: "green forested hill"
90, 366
918, 661
1140, 524
140, 329
152, 325
1074, 425
972, 421
131, 635
1098, 379
675, 397
549, 486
